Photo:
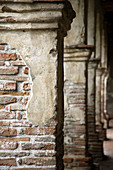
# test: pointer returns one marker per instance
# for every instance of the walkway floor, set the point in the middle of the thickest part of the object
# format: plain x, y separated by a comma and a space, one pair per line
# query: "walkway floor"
108, 149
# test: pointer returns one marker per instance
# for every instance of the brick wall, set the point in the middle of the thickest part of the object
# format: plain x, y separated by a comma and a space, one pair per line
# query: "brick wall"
75, 138
23, 145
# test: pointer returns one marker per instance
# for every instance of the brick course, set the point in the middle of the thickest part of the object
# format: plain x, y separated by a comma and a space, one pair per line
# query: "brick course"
22, 143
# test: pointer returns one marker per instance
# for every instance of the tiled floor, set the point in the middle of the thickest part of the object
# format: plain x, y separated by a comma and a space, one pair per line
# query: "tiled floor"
108, 149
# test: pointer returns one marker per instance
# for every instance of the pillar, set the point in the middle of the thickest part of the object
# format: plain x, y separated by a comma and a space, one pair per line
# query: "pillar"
75, 124
104, 114
35, 32
99, 125
95, 146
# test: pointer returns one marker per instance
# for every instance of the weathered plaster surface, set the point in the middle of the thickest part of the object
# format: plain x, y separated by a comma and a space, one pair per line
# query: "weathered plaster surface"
77, 33
32, 46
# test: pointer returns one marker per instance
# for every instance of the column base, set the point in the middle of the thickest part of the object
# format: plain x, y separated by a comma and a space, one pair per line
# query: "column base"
101, 132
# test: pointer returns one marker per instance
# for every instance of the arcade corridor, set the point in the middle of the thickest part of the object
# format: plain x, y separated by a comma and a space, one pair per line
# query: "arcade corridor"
107, 163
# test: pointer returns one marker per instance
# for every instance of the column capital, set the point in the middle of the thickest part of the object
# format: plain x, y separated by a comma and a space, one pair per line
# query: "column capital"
93, 63
41, 15
98, 71
77, 53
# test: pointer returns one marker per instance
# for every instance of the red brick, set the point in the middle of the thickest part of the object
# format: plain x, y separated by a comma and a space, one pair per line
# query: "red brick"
15, 78
27, 86
8, 56
7, 100
19, 57
9, 70
8, 145
14, 93
36, 146
45, 138
39, 161
5, 131
19, 116
8, 162
26, 70
18, 63
67, 160
7, 115
13, 139
43, 153
30, 131
38, 131
20, 124
14, 154
9, 86
16, 107
23, 100
4, 123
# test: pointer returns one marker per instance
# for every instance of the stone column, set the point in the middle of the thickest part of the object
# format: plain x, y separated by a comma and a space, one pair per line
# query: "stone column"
36, 32
75, 124
95, 147
99, 125
104, 114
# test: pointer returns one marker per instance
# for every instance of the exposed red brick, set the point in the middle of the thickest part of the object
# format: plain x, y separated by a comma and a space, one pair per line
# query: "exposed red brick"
7, 100
13, 154
15, 78
39, 161
36, 146
21, 124
5, 131
38, 131
30, 131
8, 145
9, 70
4, 123
8, 162
19, 57
19, 116
23, 100
17, 63
9, 86
15, 93
26, 70
26, 86
13, 139
67, 160
8, 56
7, 115
43, 153
16, 107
